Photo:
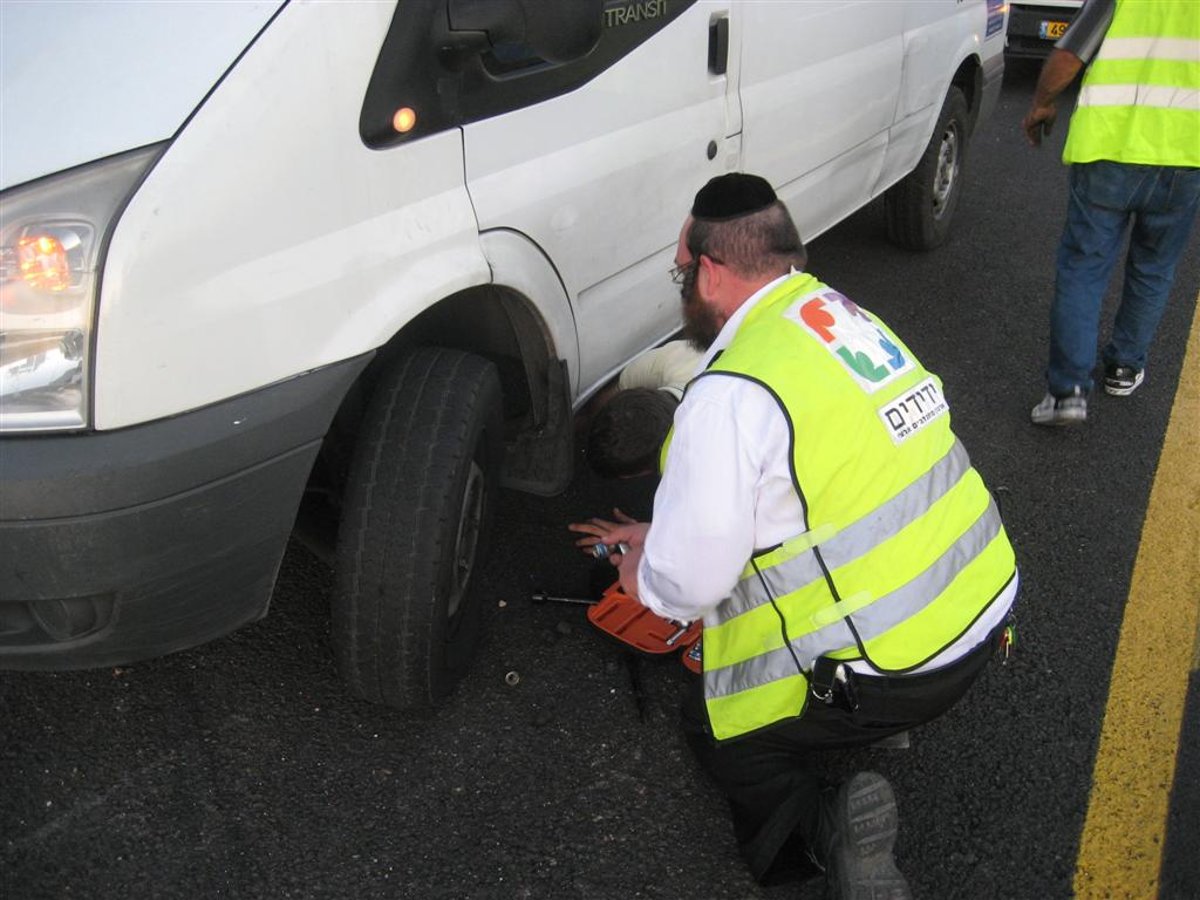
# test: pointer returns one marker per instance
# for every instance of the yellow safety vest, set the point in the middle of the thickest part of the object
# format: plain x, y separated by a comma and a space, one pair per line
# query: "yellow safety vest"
1140, 99
904, 548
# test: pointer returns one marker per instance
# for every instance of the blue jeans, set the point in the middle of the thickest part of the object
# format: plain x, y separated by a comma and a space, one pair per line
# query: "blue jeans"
1161, 201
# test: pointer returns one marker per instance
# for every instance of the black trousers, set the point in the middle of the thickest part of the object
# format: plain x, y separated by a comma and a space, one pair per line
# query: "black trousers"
774, 796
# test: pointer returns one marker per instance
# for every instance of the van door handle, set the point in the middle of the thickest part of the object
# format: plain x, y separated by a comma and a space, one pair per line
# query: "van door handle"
718, 46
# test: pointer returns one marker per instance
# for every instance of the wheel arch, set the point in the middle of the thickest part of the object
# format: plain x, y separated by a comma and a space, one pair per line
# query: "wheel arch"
968, 78
534, 348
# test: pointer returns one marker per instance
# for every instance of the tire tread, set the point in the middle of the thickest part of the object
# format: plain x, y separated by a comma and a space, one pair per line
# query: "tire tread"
401, 505
908, 205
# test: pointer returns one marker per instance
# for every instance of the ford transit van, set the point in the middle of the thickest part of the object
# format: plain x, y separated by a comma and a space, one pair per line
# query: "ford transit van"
343, 269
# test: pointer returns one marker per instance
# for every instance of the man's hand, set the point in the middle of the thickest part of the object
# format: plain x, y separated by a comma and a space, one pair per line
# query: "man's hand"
1039, 121
1057, 73
604, 531
627, 568
621, 529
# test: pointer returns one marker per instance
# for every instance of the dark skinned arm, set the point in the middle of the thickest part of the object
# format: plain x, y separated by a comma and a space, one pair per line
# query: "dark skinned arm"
1059, 71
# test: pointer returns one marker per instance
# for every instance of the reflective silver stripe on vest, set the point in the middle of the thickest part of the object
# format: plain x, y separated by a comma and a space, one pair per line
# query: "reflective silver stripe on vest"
855, 540
871, 622
904, 602
1177, 49
1149, 95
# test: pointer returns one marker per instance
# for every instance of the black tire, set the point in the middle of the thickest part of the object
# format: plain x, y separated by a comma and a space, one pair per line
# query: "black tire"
418, 508
919, 208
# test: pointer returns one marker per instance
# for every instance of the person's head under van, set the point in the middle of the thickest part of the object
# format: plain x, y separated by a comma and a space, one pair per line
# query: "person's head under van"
627, 433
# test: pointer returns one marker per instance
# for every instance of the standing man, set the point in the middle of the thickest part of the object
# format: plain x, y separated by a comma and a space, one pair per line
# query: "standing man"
819, 515
1134, 151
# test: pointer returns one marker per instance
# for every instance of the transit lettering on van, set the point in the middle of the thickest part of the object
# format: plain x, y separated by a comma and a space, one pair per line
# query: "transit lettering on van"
622, 12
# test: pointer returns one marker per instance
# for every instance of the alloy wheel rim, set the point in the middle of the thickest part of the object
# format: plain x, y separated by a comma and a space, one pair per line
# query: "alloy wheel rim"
466, 542
946, 174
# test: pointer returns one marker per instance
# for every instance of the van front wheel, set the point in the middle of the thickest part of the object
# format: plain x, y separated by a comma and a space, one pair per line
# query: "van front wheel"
418, 506
919, 208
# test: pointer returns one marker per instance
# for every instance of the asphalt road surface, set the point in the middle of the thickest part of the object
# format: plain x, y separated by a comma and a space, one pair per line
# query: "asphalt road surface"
242, 768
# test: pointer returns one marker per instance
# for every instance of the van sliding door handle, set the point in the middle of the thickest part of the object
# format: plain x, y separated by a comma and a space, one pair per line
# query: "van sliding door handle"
718, 46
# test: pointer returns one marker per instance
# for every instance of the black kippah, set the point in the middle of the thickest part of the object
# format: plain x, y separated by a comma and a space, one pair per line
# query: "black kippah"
732, 196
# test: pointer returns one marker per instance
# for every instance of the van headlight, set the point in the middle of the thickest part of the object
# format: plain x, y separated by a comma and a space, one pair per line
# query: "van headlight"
52, 232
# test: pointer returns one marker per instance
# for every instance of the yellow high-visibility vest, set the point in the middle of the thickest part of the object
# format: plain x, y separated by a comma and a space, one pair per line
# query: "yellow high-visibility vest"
904, 548
1140, 99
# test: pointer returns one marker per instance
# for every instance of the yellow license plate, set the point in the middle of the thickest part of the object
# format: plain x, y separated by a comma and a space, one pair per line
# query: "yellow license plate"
1052, 31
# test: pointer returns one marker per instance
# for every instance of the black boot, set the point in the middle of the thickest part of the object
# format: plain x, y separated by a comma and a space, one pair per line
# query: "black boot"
855, 839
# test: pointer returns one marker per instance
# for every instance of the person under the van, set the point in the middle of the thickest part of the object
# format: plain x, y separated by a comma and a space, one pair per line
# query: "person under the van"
821, 518
627, 422
1133, 146
625, 436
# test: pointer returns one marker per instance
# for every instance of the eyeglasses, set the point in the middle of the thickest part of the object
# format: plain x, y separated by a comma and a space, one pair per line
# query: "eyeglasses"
679, 273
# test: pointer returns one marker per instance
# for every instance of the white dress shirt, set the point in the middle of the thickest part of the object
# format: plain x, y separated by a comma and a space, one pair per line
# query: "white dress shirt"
666, 368
727, 491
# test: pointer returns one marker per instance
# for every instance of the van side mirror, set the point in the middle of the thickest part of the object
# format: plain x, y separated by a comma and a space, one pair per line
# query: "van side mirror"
559, 31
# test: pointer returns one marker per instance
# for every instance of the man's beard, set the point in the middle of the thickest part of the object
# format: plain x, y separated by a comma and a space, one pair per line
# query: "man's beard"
700, 324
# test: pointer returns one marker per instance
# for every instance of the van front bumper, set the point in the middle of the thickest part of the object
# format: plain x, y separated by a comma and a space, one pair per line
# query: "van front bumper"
120, 546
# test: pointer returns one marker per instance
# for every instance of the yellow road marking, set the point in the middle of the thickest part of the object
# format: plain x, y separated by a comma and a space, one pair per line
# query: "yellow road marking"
1196, 655
1120, 852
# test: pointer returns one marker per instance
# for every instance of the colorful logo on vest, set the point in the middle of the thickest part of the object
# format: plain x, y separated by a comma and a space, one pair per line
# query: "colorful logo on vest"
866, 351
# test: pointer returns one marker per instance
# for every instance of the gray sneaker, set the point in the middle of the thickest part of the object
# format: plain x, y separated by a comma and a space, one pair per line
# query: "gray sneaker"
1068, 410
1121, 381
859, 862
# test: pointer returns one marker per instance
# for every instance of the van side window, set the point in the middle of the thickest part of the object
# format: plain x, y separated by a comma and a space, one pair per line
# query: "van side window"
450, 78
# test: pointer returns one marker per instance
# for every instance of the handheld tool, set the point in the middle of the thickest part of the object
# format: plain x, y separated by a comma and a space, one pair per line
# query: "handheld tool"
604, 551
543, 597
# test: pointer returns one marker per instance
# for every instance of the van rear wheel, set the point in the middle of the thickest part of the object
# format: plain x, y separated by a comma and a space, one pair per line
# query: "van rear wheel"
919, 208
418, 507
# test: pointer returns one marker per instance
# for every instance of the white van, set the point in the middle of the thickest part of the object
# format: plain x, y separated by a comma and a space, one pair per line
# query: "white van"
347, 267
